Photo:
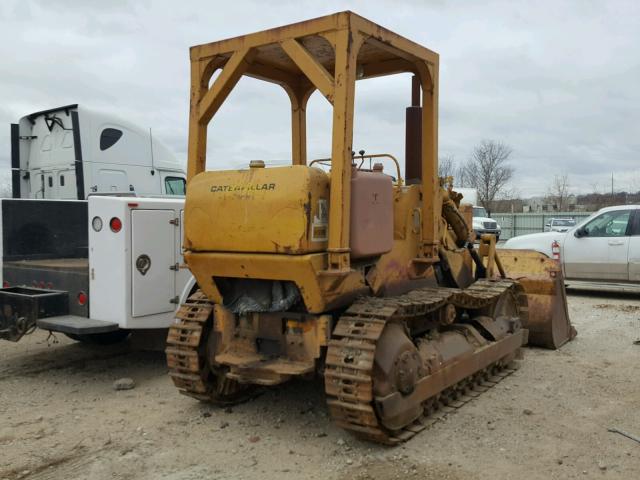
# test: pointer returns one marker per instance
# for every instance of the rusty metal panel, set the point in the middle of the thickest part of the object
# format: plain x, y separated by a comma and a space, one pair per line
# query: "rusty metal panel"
543, 283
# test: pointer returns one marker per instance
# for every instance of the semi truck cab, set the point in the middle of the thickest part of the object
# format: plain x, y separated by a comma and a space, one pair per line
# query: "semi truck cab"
483, 223
71, 152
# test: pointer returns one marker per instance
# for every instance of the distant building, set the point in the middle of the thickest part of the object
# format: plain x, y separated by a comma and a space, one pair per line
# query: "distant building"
546, 204
596, 201
514, 205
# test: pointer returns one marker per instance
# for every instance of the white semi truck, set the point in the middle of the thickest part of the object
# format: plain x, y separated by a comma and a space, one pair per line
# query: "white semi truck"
482, 223
71, 152
88, 247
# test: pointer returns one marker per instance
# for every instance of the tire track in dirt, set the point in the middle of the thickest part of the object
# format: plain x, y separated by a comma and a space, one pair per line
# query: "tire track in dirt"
71, 465
42, 366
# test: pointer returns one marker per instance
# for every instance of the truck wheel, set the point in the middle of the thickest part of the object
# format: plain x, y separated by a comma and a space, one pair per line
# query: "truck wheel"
107, 338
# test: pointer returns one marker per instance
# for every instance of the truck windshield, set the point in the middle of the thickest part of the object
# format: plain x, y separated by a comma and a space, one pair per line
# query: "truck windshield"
479, 212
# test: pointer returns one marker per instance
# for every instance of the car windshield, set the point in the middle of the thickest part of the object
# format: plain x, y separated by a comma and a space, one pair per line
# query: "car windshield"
563, 222
479, 212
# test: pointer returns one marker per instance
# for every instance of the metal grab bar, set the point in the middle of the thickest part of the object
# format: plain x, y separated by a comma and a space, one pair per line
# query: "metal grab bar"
327, 162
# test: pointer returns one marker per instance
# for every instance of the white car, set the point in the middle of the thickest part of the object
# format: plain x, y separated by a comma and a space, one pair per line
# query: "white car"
602, 251
482, 223
559, 224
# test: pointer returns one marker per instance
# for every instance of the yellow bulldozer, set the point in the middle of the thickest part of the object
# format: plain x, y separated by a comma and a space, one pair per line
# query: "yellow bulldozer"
336, 268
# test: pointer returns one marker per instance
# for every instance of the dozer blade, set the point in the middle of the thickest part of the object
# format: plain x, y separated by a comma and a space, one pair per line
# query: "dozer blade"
543, 282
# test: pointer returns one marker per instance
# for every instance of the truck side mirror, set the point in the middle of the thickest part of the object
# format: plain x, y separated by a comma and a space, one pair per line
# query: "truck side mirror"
580, 232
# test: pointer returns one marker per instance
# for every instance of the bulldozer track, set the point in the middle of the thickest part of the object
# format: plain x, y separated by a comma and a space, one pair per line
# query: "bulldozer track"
183, 342
186, 356
351, 352
349, 388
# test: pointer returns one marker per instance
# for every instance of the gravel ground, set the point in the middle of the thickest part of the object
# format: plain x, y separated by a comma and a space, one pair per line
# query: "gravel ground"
62, 418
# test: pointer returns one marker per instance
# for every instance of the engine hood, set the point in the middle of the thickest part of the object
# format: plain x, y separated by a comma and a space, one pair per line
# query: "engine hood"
540, 242
550, 236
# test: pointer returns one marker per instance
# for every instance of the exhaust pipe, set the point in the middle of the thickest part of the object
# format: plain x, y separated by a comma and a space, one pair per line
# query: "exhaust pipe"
413, 136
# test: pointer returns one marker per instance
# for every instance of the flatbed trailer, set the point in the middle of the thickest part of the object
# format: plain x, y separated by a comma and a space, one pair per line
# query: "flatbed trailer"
94, 270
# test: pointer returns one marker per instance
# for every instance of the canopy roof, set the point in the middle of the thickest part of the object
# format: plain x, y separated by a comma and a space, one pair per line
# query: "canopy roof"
381, 53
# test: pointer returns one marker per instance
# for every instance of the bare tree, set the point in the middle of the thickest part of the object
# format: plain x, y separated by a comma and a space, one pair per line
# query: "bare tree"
461, 177
488, 170
446, 166
558, 193
634, 184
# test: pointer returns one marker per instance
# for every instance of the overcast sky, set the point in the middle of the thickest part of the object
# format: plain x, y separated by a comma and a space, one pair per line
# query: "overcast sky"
559, 82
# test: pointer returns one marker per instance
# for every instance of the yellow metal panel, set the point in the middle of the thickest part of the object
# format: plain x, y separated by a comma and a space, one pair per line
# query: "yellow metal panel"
269, 73
299, 99
216, 95
197, 131
347, 47
319, 292
265, 37
318, 26
269, 210
310, 66
352, 47
388, 67
431, 200
398, 45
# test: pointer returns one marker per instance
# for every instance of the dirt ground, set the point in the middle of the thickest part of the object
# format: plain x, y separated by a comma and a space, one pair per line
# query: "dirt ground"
62, 419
